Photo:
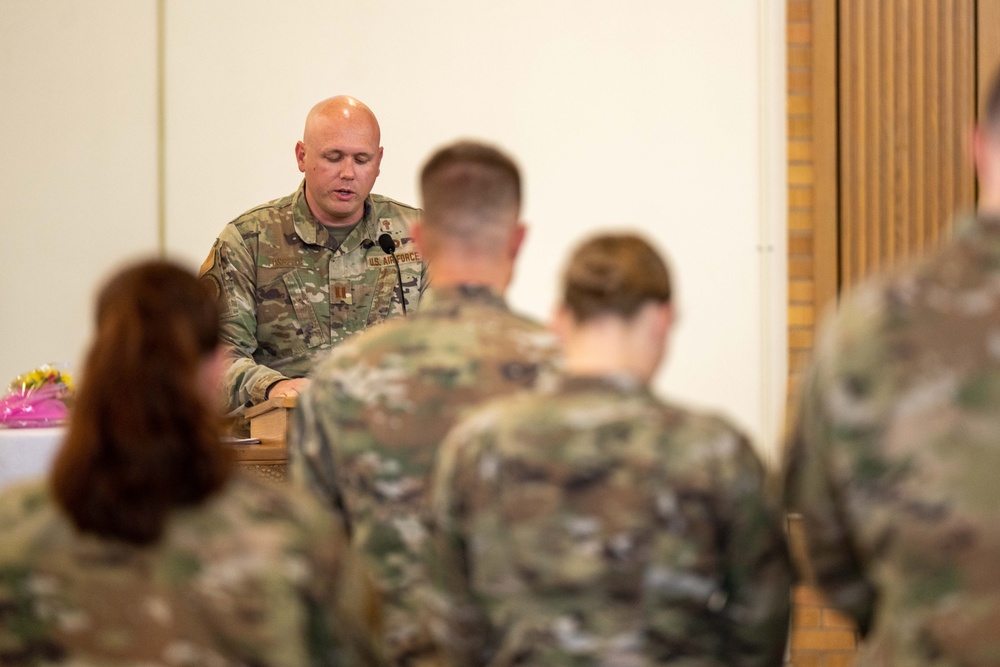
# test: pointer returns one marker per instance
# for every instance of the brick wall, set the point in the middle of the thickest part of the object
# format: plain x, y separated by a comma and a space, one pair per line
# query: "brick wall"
801, 180
821, 636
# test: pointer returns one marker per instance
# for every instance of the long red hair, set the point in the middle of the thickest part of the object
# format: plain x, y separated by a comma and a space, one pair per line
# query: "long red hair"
143, 437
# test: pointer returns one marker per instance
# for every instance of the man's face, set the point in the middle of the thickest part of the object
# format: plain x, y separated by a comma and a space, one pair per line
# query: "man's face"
340, 158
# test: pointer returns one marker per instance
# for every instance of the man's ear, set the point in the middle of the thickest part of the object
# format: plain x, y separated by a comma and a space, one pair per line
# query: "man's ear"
562, 322
977, 143
662, 319
517, 238
300, 155
671, 315
417, 232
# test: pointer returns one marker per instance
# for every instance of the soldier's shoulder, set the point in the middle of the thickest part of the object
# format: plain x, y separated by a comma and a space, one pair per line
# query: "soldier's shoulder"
698, 421
522, 411
22, 501
710, 436
248, 502
388, 203
30, 523
523, 331
525, 321
250, 221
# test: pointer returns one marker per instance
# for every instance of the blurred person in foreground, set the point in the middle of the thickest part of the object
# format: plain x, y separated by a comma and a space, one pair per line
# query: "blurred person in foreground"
894, 459
366, 431
596, 524
144, 547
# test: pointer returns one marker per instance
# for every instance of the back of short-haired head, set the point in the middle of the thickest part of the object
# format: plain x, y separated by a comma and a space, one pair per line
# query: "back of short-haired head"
470, 189
991, 110
614, 274
143, 437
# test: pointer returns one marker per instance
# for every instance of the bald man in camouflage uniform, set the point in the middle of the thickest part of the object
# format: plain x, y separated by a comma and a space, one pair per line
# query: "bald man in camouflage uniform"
255, 576
366, 431
592, 524
298, 275
894, 459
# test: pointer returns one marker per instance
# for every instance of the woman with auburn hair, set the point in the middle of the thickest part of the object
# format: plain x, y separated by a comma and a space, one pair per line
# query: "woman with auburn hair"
145, 547
592, 523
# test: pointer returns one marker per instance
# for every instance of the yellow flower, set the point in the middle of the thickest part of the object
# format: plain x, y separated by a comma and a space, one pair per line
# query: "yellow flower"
40, 377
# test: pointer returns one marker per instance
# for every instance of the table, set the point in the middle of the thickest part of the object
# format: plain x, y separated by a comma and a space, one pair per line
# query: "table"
26, 453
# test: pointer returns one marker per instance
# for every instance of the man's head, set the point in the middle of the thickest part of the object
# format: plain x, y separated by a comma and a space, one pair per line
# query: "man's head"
986, 146
471, 197
340, 157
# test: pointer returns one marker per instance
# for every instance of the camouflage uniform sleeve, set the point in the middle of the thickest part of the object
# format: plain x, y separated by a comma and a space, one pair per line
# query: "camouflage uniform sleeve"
345, 609
25, 633
814, 487
458, 625
311, 452
758, 567
230, 271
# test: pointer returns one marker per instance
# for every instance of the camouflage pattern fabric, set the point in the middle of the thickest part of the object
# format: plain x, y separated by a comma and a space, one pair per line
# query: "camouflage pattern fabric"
366, 431
288, 292
595, 525
257, 575
894, 457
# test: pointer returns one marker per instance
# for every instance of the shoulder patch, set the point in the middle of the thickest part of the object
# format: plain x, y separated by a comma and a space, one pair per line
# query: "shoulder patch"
213, 287
209, 262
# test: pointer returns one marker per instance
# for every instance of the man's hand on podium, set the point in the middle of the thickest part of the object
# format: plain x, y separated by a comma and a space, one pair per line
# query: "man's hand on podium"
288, 387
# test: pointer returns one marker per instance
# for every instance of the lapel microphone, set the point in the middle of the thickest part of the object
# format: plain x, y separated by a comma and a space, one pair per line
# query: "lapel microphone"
389, 247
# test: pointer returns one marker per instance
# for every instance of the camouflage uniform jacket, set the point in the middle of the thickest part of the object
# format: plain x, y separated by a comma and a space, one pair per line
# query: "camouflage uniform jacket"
366, 431
595, 525
254, 576
894, 459
288, 292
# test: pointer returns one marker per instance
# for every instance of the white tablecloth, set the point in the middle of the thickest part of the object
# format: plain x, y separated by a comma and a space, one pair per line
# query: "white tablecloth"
27, 452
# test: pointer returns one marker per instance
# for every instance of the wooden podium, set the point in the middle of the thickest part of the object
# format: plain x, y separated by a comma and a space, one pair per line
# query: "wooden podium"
268, 424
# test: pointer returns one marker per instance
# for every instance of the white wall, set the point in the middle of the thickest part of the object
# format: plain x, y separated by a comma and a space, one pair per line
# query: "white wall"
77, 165
645, 115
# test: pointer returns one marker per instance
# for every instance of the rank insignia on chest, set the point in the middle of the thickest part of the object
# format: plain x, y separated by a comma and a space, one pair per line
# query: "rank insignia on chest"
342, 292
385, 224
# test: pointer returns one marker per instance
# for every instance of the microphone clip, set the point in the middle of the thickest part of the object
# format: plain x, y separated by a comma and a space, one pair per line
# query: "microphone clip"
389, 247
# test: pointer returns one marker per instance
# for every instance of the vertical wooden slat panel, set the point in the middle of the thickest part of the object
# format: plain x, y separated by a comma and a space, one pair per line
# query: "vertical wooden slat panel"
906, 81
848, 149
901, 211
967, 114
869, 238
893, 69
918, 143
988, 42
944, 174
825, 153
933, 118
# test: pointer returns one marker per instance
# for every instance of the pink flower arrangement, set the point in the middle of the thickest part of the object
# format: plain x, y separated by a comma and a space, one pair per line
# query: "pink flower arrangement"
38, 398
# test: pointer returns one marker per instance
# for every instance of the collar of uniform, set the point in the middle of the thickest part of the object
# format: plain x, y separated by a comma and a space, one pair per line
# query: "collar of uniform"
446, 299
613, 382
312, 231
981, 232
970, 224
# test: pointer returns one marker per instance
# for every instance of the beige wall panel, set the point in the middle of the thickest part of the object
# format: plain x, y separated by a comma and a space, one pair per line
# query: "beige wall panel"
77, 164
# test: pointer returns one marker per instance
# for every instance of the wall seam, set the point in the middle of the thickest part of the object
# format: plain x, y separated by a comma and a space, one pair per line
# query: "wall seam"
161, 134
768, 171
